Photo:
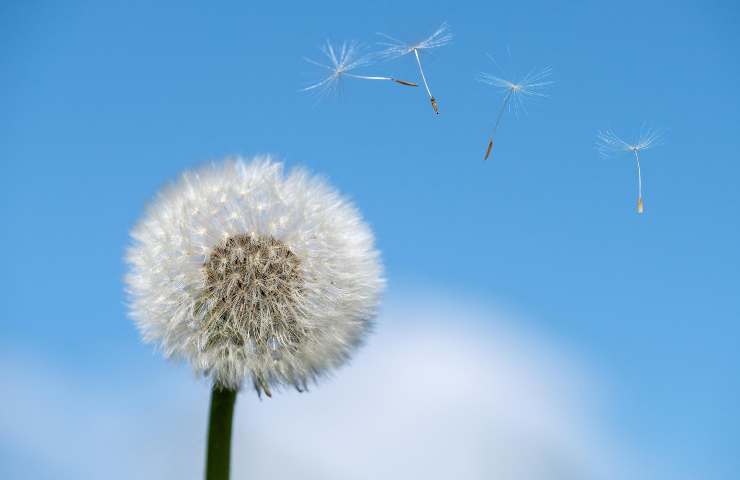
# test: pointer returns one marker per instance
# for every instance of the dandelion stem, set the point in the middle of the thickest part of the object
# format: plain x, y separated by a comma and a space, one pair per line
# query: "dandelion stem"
426, 85
501, 112
219, 433
370, 77
498, 120
366, 77
639, 183
639, 175
421, 70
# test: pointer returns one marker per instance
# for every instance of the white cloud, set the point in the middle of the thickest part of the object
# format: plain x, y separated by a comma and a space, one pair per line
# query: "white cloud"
440, 391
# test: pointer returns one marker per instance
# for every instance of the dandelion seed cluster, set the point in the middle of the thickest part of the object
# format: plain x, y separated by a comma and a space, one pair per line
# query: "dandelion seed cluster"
251, 292
250, 273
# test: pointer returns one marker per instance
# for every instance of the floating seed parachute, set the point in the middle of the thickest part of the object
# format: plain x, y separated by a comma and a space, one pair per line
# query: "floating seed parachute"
609, 144
395, 48
342, 61
515, 94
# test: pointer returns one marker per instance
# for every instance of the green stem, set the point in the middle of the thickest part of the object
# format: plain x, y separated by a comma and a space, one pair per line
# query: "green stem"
219, 433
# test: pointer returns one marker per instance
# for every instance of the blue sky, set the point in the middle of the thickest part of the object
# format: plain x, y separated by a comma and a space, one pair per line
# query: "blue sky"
102, 103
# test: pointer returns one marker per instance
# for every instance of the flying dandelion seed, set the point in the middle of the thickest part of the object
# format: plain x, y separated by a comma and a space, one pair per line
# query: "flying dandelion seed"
342, 61
396, 48
609, 144
516, 92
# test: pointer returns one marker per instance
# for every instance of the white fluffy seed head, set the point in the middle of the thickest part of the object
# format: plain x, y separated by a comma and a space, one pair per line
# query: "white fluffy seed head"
249, 273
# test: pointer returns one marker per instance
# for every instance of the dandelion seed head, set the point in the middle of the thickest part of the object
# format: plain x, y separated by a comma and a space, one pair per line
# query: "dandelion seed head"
249, 273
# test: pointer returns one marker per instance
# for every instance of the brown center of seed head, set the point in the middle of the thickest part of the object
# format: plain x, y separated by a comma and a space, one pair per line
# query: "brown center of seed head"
253, 286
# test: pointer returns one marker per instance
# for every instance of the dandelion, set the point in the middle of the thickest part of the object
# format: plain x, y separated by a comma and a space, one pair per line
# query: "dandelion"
341, 62
515, 94
397, 48
252, 276
609, 144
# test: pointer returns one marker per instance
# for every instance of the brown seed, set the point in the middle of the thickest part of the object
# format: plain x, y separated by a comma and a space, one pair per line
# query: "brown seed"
488, 150
252, 287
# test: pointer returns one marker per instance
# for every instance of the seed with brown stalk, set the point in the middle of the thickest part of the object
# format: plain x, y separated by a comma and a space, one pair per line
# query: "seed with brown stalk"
342, 61
609, 144
395, 48
516, 92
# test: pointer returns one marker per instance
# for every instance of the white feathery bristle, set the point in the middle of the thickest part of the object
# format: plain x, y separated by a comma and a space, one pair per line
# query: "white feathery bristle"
342, 60
608, 143
397, 48
249, 273
533, 84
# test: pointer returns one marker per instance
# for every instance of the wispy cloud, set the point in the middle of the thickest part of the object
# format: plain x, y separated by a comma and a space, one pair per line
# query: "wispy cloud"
439, 392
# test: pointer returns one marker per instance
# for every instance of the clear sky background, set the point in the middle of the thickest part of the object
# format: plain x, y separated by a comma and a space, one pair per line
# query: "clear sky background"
101, 103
